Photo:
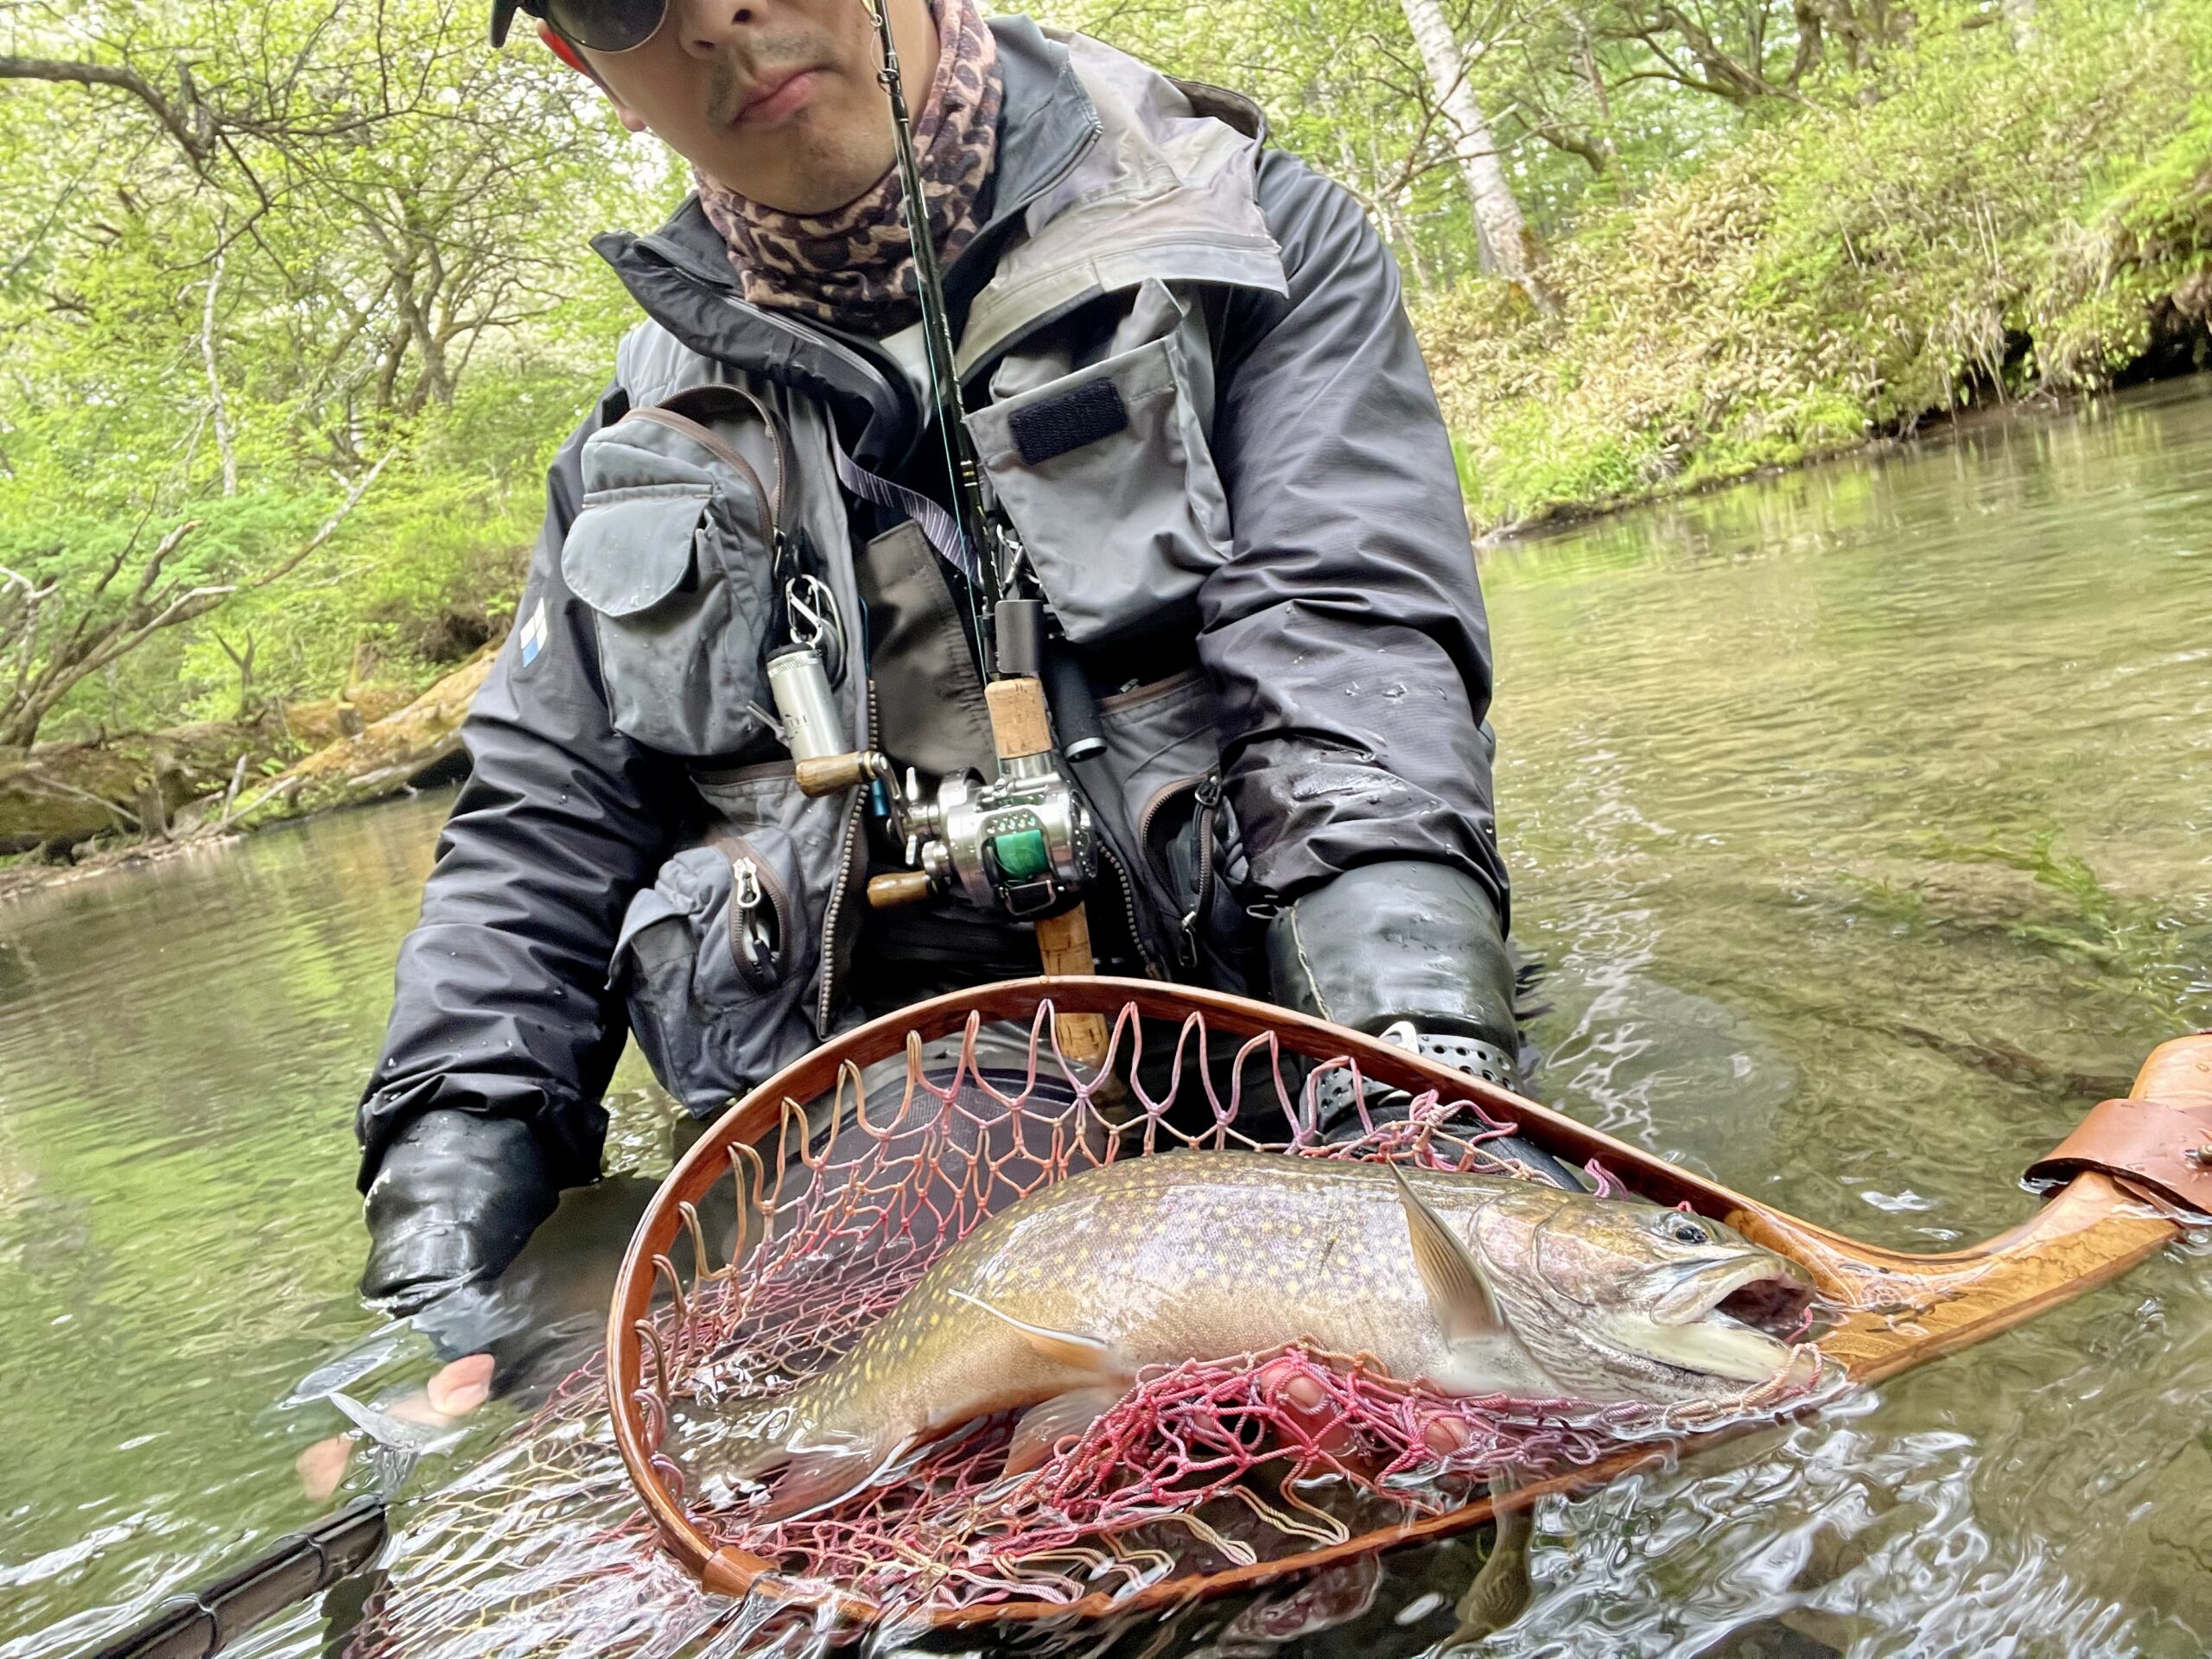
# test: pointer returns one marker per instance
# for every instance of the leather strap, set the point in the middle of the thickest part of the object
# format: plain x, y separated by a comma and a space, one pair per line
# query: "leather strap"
2159, 1139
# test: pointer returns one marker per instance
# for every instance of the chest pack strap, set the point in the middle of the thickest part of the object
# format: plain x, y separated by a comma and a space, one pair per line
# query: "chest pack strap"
937, 527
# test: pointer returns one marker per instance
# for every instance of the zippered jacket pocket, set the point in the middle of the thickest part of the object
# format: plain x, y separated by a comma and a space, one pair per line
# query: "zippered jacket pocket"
713, 961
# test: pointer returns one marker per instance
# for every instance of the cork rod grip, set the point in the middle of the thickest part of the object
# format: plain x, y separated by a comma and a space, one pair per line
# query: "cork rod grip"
1020, 724
1064, 947
1064, 944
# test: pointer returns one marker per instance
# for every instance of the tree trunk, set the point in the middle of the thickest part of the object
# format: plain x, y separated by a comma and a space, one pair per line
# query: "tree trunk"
1507, 249
215, 380
382, 758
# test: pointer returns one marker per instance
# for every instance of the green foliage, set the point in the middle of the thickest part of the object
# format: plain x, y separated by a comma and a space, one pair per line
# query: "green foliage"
309, 238
1968, 220
322, 237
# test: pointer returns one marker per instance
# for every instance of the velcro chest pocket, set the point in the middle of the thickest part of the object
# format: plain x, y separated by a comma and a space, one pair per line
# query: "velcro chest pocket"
1107, 474
673, 551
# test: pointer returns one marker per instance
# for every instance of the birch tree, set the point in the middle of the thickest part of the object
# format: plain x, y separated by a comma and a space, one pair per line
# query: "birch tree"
1508, 250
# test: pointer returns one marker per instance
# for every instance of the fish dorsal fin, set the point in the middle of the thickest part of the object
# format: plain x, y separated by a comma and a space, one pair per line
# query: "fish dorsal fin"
1069, 1348
1448, 1270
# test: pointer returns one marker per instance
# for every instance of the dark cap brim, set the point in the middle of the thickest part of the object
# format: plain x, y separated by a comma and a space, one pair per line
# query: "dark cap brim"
503, 16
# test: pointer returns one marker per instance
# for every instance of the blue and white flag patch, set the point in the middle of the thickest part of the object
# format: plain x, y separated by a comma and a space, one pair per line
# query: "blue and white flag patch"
534, 632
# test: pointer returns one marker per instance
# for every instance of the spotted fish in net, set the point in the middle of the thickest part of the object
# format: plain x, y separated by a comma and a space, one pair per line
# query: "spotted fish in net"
1480, 1286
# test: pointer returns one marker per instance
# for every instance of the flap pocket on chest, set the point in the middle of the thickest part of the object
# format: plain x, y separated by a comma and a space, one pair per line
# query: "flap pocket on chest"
629, 549
1107, 474
674, 551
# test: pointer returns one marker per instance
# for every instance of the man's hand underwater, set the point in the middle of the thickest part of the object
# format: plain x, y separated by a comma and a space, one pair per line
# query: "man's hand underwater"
455, 1392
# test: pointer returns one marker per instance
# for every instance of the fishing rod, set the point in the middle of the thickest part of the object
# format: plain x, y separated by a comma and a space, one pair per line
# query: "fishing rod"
298, 1565
303, 1564
988, 535
1024, 842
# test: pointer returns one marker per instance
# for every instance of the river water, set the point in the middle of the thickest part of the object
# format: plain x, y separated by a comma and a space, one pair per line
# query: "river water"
1863, 819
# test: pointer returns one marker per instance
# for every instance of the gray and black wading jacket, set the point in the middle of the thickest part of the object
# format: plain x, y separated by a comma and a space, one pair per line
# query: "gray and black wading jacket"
1196, 395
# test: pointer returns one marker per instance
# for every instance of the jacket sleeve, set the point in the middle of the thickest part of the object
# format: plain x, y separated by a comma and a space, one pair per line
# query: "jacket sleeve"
1345, 630
501, 1004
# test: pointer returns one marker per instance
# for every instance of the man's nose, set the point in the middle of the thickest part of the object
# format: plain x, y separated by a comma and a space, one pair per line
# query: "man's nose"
709, 25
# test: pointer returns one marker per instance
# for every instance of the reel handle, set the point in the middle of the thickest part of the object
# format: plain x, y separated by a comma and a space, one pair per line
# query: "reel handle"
897, 887
827, 774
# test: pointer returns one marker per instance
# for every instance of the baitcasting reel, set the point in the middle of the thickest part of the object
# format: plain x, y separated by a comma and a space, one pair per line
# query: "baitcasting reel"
1022, 843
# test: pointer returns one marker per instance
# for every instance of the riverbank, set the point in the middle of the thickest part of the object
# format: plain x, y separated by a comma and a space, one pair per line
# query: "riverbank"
416, 745
1994, 216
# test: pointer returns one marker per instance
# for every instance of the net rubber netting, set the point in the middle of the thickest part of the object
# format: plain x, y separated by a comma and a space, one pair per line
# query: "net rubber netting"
823, 1223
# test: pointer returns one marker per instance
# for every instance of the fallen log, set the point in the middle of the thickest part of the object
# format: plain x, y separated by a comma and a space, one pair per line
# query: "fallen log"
58, 794
420, 743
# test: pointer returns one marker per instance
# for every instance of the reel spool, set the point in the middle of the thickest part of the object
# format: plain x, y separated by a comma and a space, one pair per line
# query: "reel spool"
1230, 1065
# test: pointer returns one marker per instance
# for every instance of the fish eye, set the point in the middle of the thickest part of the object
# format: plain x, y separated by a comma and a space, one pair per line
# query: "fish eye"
1683, 1231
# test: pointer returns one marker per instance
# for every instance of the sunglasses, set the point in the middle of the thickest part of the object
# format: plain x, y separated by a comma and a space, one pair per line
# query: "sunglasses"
598, 25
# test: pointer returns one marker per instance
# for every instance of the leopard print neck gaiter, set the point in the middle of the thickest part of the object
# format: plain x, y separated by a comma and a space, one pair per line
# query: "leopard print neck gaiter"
853, 267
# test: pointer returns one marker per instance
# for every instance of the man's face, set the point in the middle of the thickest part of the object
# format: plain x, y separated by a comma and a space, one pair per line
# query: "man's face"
777, 99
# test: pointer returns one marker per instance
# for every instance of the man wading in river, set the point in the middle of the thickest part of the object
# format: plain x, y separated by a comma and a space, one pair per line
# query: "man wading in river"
1199, 407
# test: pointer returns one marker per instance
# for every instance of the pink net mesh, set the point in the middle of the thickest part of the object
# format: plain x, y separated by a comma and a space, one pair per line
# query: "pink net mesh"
1200, 1467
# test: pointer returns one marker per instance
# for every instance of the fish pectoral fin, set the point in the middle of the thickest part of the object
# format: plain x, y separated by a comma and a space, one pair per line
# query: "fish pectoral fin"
1045, 1426
1448, 1270
1501, 1591
814, 1479
1072, 1349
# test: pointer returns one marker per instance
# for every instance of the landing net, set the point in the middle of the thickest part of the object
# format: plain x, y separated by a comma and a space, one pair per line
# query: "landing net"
803, 1218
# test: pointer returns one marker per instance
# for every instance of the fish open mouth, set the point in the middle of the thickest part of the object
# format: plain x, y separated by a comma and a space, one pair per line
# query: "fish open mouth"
1735, 1318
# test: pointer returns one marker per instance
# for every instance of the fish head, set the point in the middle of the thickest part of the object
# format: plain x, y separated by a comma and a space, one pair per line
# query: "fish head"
1626, 1301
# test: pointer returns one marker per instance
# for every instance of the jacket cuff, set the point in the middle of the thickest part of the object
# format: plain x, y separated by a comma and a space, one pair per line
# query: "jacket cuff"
1406, 940
570, 1133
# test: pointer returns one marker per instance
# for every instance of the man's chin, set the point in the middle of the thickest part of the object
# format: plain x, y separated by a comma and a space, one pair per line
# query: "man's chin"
799, 167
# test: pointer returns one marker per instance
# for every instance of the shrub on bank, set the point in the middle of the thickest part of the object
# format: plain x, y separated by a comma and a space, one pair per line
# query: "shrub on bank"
1982, 217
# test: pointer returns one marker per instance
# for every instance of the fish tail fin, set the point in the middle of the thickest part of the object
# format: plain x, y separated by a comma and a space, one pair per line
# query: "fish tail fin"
748, 1451
798, 1480
781, 1462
